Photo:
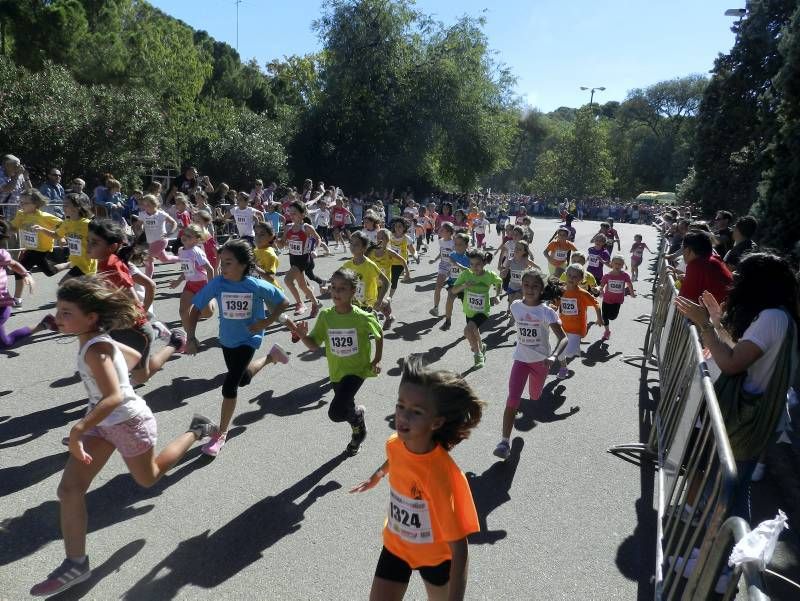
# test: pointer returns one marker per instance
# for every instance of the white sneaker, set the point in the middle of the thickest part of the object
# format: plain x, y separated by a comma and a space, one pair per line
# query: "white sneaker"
278, 355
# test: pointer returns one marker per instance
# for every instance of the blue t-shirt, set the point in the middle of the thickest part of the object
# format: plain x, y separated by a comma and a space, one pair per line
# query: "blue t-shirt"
274, 219
240, 304
462, 260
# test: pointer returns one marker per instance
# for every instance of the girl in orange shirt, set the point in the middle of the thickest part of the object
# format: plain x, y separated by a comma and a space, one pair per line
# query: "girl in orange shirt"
431, 510
574, 303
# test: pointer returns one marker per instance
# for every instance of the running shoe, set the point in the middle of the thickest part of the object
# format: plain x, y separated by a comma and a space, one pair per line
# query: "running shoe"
606, 335
314, 310
387, 322
480, 360
161, 330
434, 311
178, 339
446, 324
17, 302
49, 323
277, 354
502, 450
214, 446
563, 373
201, 426
299, 309
359, 433
67, 575
483, 350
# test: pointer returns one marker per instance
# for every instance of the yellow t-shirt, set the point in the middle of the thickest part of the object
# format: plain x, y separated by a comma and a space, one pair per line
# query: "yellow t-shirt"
589, 281
267, 260
368, 276
31, 239
77, 234
400, 246
384, 263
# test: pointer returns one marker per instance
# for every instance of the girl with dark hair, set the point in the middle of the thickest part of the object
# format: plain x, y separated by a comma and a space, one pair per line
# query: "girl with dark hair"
242, 321
296, 237
754, 342
431, 511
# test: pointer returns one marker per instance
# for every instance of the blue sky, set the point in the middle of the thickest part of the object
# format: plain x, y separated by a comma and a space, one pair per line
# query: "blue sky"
552, 46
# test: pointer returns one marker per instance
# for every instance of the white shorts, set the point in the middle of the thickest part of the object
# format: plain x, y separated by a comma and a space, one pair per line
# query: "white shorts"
573, 348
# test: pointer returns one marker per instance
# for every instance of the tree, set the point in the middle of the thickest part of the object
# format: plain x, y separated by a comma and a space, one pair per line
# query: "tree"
776, 208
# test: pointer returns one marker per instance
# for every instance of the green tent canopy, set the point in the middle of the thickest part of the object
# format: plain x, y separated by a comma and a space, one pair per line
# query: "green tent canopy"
664, 198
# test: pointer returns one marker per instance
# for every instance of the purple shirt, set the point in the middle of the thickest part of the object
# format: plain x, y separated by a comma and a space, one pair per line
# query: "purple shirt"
595, 260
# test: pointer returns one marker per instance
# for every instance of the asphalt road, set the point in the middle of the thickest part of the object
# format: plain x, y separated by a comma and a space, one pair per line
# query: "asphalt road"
270, 518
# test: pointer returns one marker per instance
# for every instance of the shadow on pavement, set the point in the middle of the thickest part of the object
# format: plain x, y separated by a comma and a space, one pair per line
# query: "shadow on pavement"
31, 426
544, 410
111, 503
15, 479
172, 396
598, 353
66, 381
209, 559
490, 490
411, 331
305, 398
108, 567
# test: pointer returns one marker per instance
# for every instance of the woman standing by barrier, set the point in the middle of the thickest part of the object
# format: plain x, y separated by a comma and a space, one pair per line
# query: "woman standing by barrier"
754, 343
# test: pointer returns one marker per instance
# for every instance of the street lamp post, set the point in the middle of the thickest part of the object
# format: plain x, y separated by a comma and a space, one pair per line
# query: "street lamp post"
591, 94
736, 12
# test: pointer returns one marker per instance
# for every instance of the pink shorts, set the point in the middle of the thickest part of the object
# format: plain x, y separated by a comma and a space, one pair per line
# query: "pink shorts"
132, 437
535, 373
195, 286
636, 260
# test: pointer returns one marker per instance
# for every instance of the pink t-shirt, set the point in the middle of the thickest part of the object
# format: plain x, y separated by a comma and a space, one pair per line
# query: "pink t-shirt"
5, 259
193, 264
613, 285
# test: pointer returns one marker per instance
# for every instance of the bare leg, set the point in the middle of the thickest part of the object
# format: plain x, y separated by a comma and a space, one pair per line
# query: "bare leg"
387, 590
509, 415
147, 469
226, 414
290, 283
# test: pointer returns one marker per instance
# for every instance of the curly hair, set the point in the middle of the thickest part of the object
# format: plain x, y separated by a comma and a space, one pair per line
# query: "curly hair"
762, 281
115, 307
453, 397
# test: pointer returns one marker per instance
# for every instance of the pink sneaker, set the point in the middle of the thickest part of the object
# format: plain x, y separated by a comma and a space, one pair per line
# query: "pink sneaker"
563, 373
299, 309
606, 335
213, 446
278, 355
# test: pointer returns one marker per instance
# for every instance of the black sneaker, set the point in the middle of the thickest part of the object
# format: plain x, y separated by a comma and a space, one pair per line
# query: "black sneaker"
67, 575
359, 433
201, 426
446, 324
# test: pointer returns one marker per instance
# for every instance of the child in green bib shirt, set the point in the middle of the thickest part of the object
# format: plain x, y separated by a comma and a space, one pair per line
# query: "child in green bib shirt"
475, 283
345, 331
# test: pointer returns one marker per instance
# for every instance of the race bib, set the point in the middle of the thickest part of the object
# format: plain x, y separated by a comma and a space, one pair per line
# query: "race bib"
476, 301
30, 239
516, 277
187, 268
237, 305
528, 332
396, 247
561, 255
343, 342
617, 286
338, 218
295, 247
569, 306
360, 290
594, 260
151, 224
410, 519
455, 271
75, 245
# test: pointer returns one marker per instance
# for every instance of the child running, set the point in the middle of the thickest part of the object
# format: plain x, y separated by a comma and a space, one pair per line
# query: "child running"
116, 418
155, 221
266, 260
7, 301
345, 331
557, 252
242, 321
245, 217
392, 265
400, 241
446, 245
572, 307
372, 285
196, 271
589, 283
295, 237
598, 257
613, 285
431, 511
458, 262
637, 251
513, 271
532, 357
475, 283
75, 229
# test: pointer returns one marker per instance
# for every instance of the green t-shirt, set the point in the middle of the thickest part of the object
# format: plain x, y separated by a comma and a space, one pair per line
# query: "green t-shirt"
476, 294
346, 339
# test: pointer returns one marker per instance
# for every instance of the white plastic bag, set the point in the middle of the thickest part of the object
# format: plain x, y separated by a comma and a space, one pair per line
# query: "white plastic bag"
759, 544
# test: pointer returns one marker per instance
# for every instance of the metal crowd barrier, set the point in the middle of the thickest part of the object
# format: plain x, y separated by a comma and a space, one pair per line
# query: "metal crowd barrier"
689, 446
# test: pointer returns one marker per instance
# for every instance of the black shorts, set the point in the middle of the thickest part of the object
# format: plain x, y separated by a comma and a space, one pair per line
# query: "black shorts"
478, 319
75, 272
139, 338
36, 258
299, 261
397, 271
460, 295
610, 311
391, 567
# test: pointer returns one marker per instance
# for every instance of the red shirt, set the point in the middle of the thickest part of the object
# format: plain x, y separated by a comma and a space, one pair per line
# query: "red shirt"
116, 272
706, 273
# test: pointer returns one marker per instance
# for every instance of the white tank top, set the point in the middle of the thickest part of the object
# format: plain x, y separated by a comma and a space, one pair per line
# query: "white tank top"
244, 220
132, 404
154, 227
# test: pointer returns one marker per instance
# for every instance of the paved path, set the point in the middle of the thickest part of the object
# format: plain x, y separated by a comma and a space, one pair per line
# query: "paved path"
270, 518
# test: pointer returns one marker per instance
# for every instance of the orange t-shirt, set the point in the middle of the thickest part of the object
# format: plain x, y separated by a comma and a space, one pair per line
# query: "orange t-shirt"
430, 505
559, 251
572, 308
472, 217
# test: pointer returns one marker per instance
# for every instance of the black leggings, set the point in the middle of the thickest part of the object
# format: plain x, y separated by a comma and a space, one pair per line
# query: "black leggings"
397, 272
322, 230
237, 359
36, 258
343, 405
610, 311
309, 271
